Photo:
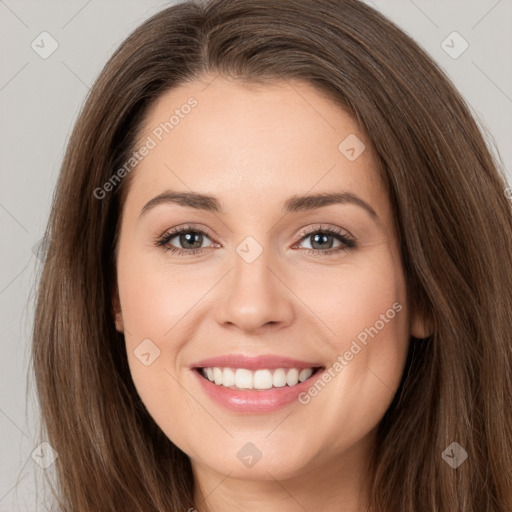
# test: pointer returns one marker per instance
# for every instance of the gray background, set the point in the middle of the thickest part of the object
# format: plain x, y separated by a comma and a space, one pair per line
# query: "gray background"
40, 99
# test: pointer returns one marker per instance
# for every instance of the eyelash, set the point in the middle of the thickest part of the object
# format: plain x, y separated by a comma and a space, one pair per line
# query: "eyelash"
347, 241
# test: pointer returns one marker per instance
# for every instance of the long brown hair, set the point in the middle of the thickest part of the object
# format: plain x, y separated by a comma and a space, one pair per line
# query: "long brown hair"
455, 231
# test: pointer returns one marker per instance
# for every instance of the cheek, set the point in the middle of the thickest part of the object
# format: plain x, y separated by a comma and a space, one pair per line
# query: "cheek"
365, 309
154, 298
151, 305
361, 307
161, 309
349, 300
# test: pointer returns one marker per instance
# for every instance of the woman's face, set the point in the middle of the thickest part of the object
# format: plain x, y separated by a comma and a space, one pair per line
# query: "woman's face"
289, 266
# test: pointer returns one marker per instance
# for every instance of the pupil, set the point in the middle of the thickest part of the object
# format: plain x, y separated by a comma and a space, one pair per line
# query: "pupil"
188, 238
318, 238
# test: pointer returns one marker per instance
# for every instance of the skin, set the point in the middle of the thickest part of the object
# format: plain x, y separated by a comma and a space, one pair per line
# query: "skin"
254, 146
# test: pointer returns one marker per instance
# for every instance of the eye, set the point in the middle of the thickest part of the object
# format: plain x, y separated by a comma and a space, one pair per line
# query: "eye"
190, 239
321, 240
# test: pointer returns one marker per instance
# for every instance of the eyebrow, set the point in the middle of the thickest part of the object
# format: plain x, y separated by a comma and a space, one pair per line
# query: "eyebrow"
293, 204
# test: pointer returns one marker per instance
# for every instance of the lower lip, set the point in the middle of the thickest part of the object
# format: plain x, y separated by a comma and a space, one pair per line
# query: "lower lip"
253, 401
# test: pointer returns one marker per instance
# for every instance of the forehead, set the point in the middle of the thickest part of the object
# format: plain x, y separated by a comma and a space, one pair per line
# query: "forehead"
247, 141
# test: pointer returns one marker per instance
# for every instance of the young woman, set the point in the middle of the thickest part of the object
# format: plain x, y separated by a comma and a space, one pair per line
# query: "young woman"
279, 275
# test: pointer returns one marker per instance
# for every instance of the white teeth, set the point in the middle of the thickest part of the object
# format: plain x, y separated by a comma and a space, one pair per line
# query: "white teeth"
262, 379
242, 378
305, 374
217, 375
292, 377
279, 378
228, 377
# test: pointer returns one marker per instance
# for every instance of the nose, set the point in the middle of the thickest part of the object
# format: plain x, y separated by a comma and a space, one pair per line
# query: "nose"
255, 296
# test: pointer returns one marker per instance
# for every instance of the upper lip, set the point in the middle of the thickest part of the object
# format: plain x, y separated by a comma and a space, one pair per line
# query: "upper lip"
269, 361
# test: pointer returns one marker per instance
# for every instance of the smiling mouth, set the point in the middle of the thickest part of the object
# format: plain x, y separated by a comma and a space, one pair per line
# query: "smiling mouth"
257, 380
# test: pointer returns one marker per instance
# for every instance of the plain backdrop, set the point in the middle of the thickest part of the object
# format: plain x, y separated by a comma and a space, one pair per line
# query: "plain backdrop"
40, 97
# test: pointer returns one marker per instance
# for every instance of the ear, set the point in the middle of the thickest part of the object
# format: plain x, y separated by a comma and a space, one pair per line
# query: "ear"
118, 314
420, 325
